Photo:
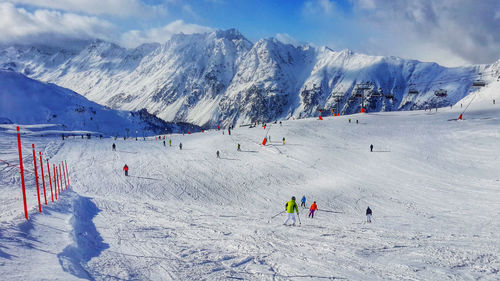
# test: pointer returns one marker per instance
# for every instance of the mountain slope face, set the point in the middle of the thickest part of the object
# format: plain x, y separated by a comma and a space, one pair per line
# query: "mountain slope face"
221, 78
27, 101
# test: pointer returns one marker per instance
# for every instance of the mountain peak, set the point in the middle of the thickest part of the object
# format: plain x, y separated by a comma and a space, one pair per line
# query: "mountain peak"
230, 34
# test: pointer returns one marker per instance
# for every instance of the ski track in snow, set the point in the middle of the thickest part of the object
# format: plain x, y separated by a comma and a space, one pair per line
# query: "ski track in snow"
185, 215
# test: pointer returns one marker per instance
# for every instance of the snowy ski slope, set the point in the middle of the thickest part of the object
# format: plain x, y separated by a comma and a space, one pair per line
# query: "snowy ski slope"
433, 184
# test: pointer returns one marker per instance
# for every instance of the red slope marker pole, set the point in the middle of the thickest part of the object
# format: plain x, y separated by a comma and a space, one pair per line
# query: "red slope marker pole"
50, 181
67, 173
22, 172
36, 179
60, 177
55, 179
58, 185
43, 178
64, 173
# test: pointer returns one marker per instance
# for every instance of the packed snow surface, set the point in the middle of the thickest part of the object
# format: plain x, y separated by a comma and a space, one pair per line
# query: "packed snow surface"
432, 182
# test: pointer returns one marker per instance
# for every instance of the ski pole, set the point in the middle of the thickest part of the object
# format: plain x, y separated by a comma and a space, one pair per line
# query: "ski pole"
269, 220
330, 211
277, 214
300, 223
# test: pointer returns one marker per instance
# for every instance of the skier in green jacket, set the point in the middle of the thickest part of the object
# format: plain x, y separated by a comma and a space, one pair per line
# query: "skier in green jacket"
291, 207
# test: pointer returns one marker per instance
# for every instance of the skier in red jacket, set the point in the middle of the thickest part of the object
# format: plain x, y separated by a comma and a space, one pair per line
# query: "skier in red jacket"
313, 209
125, 168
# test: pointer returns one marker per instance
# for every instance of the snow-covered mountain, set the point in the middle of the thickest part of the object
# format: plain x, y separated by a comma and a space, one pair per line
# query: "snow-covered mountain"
27, 101
223, 78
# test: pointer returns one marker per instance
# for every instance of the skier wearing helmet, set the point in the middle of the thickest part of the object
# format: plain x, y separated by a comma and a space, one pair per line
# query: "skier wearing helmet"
291, 207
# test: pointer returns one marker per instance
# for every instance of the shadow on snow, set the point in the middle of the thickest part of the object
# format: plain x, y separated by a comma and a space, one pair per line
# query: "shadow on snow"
89, 242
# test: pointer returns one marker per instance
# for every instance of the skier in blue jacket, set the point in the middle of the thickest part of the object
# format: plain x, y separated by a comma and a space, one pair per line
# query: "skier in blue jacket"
303, 202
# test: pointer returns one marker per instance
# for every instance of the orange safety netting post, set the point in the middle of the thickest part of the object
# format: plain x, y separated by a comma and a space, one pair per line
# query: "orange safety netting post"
362, 110
460, 117
264, 141
320, 118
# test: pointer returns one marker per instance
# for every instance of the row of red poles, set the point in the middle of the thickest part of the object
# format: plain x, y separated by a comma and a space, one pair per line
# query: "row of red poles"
59, 172
338, 114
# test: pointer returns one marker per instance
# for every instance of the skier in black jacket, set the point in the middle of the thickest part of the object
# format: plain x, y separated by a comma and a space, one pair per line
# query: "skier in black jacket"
368, 215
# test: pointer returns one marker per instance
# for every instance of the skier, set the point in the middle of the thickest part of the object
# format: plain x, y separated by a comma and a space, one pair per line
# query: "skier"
357, 121
290, 208
239, 147
180, 146
164, 143
281, 124
303, 201
170, 142
229, 131
125, 168
313, 209
113, 147
283, 140
218, 156
368, 215
269, 138
349, 120
371, 147
62, 136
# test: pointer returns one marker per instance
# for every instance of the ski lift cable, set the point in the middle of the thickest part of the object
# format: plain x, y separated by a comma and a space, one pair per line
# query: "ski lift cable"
469, 104
414, 86
440, 81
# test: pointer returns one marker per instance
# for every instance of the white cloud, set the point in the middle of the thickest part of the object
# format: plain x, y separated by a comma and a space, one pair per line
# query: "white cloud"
122, 8
366, 4
43, 26
451, 32
319, 7
287, 39
326, 6
134, 38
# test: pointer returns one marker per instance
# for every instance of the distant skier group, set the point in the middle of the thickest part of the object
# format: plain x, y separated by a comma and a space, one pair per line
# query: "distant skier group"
291, 208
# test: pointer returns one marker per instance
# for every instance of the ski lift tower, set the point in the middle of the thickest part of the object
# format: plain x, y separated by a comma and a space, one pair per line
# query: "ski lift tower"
337, 96
360, 89
442, 93
478, 83
413, 90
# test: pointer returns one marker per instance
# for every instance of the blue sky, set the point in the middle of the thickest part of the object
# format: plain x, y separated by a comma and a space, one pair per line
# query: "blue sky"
450, 32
